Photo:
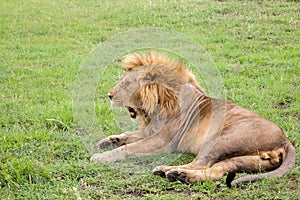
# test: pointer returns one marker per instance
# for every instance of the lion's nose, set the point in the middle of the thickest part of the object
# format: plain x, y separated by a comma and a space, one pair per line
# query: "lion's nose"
110, 96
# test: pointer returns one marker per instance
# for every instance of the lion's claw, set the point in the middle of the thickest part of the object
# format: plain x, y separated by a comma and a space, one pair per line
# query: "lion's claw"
104, 144
181, 177
108, 142
159, 173
174, 175
171, 176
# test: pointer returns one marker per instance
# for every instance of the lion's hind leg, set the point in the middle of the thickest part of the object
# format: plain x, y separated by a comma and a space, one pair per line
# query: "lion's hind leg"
264, 161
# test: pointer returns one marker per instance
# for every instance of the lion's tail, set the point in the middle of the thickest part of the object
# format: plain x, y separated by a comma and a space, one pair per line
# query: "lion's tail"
286, 165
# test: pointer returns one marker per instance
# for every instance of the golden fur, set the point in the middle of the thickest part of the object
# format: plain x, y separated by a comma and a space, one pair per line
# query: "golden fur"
175, 114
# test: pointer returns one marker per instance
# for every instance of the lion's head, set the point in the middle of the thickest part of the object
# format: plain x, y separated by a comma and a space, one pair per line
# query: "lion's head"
151, 85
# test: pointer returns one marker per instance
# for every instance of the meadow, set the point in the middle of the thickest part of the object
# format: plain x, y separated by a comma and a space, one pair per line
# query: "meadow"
255, 46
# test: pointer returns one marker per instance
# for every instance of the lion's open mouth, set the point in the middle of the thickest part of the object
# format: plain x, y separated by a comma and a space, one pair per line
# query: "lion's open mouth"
132, 112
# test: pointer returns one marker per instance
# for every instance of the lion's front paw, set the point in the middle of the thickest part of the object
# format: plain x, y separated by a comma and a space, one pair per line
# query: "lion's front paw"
109, 156
102, 157
111, 141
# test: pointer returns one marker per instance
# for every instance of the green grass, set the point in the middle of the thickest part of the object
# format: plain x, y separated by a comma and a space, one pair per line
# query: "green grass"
254, 44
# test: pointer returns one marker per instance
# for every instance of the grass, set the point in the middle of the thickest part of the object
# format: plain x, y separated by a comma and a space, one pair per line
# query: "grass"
254, 44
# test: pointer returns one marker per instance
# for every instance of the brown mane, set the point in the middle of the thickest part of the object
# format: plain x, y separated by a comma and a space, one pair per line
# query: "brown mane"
149, 59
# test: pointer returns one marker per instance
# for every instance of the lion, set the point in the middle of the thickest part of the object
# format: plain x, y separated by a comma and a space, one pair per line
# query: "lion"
175, 114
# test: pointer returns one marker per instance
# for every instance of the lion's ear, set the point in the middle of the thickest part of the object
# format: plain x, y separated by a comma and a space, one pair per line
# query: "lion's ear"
156, 96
